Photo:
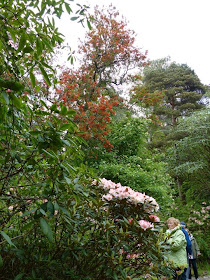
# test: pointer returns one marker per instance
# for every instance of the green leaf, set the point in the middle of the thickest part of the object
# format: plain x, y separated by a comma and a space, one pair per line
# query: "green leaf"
6, 97
64, 110
56, 206
7, 238
71, 112
50, 207
46, 229
43, 212
44, 104
38, 88
50, 153
89, 25
13, 34
38, 47
68, 181
19, 276
71, 167
28, 50
66, 142
16, 101
22, 42
32, 77
68, 9
28, 212
44, 73
1, 261
36, 132
66, 126
74, 18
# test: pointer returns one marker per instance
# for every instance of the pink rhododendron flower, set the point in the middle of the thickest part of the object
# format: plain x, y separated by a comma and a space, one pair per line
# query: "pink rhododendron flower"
131, 221
154, 218
107, 197
145, 224
120, 192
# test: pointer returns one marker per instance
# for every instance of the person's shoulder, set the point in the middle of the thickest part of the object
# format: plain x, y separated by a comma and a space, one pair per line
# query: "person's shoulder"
179, 232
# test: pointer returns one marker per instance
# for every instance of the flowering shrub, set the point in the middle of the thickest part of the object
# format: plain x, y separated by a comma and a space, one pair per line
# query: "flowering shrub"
136, 230
116, 191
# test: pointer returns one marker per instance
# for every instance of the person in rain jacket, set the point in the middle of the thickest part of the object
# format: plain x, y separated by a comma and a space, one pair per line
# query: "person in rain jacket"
193, 257
176, 254
188, 247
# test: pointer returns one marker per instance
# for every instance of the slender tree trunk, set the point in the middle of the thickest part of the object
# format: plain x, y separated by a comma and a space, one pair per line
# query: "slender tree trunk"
179, 184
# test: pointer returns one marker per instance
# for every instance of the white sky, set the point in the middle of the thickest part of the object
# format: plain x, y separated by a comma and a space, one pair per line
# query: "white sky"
176, 28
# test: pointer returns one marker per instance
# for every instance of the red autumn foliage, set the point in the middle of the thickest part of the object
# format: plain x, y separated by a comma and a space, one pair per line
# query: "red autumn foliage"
93, 108
108, 54
109, 51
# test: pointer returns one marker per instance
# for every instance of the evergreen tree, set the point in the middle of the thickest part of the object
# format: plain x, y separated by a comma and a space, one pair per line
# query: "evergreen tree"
171, 92
182, 89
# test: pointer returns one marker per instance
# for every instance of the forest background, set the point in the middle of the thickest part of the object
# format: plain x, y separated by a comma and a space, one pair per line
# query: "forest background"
138, 123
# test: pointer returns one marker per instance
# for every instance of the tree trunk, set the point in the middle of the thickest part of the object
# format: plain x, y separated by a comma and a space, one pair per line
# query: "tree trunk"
179, 183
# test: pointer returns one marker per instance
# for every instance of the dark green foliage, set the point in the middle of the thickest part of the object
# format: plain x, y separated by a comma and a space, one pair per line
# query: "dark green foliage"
28, 37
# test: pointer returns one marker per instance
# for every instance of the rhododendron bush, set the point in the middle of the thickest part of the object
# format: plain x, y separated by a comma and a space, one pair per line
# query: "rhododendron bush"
132, 229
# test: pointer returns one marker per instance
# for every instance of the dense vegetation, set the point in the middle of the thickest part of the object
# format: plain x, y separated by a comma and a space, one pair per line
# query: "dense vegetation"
59, 220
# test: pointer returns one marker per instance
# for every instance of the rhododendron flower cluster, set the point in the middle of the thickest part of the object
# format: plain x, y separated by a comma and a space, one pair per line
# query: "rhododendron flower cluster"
145, 224
117, 191
154, 218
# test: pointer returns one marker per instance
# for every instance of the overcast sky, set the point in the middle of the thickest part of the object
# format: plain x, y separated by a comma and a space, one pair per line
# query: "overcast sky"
176, 28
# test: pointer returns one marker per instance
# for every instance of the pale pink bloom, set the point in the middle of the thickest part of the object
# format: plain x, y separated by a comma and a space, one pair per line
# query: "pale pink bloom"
145, 224
123, 192
10, 208
198, 222
154, 218
107, 197
208, 207
118, 185
94, 182
106, 184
